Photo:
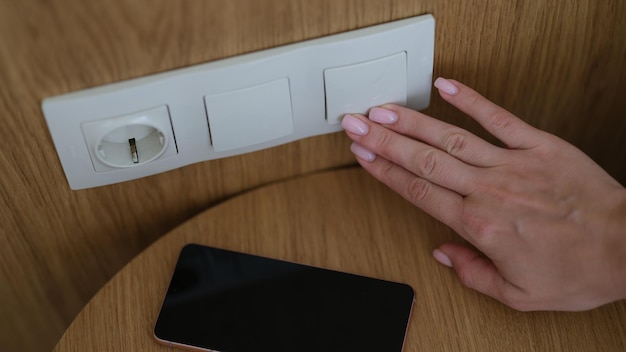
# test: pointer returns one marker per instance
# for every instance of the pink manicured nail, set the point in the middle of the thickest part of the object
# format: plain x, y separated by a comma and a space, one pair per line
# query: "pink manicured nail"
446, 86
354, 125
383, 116
442, 258
362, 153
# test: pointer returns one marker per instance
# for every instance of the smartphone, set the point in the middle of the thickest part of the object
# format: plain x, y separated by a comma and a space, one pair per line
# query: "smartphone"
225, 301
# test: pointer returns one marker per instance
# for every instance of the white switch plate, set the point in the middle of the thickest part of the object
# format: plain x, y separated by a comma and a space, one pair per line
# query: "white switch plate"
250, 116
356, 88
276, 96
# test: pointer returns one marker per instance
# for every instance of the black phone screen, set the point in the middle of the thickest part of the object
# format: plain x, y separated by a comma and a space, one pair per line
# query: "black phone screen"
233, 302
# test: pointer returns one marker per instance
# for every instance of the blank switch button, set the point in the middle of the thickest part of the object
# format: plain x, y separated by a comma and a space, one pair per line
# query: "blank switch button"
356, 88
249, 116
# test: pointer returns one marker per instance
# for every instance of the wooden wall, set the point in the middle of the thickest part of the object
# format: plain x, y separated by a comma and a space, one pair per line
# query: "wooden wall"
557, 63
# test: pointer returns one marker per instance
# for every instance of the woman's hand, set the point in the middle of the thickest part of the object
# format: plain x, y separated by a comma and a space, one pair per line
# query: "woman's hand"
550, 223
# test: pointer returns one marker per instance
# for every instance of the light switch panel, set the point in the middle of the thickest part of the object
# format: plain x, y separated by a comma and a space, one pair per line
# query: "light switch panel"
356, 88
240, 104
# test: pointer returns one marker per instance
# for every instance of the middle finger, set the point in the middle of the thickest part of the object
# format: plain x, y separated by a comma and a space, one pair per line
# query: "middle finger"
455, 141
423, 160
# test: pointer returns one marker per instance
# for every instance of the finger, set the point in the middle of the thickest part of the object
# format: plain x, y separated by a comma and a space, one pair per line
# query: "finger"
478, 273
509, 129
421, 159
453, 140
441, 203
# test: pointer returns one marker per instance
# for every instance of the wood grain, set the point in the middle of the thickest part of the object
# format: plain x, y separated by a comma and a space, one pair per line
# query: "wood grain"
559, 64
342, 220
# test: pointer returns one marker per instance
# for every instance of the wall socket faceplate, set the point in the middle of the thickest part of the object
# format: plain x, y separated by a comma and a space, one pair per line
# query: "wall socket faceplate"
240, 104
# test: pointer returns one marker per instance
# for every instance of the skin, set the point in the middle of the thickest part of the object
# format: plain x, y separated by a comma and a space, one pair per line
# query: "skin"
549, 224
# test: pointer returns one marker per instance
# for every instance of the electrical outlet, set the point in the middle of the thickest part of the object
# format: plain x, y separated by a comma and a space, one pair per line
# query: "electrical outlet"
131, 140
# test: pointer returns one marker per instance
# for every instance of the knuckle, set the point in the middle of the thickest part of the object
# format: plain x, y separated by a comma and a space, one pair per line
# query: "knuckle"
418, 189
466, 277
384, 143
500, 120
480, 229
454, 143
425, 162
485, 232
387, 171
496, 117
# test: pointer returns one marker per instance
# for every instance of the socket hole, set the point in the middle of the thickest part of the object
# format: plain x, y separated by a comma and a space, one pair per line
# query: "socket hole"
131, 145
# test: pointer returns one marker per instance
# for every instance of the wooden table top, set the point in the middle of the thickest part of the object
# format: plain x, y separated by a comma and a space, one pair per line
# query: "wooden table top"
343, 220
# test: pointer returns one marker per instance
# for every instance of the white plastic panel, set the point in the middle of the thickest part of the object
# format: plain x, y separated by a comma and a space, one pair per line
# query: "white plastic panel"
300, 66
250, 116
356, 88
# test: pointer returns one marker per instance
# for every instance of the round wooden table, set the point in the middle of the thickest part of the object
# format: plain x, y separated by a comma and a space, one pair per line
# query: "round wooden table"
343, 220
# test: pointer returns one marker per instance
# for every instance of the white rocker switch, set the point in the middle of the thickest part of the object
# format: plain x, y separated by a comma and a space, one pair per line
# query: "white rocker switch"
249, 116
359, 87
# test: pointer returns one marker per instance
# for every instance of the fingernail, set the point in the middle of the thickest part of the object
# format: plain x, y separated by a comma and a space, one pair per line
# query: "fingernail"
446, 86
383, 116
362, 153
354, 125
442, 258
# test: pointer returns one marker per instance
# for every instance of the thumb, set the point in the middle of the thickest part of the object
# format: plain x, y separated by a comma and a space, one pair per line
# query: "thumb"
475, 271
